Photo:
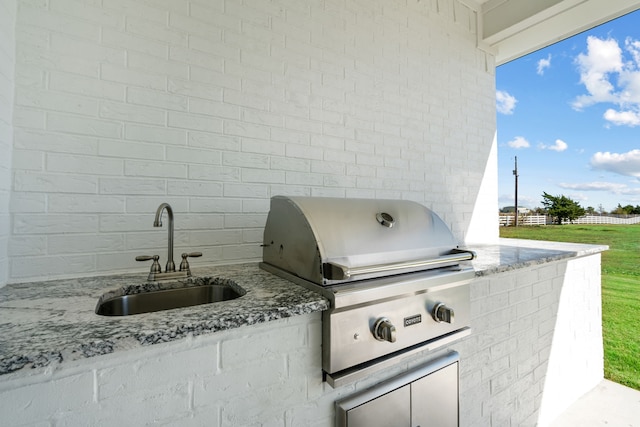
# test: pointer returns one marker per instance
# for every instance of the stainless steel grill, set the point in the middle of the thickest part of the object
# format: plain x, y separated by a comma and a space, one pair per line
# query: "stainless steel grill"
391, 270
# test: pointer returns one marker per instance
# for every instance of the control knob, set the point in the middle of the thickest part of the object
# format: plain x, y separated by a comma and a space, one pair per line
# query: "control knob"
442, 313
383, 330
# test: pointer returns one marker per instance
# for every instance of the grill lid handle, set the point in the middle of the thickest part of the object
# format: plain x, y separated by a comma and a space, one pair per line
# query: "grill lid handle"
335, 271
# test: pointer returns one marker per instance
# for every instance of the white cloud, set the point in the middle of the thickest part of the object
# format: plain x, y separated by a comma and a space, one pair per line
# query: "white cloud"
629, 82
505, 102
611, 75
633, 47
518, 142
596, 186
631, 191
544, 64
627, 164
603, 57
610, 187
559, 146
622, 118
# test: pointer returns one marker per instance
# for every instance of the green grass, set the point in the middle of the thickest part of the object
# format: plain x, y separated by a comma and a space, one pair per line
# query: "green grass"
620, 289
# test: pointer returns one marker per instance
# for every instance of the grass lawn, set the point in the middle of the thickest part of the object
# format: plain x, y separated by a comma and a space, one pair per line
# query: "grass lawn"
620, 289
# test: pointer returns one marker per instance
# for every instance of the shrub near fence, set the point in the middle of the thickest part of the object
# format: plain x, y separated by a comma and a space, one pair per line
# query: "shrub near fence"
508, 220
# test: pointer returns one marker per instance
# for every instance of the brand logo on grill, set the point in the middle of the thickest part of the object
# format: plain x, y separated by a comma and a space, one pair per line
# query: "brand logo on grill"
413, 320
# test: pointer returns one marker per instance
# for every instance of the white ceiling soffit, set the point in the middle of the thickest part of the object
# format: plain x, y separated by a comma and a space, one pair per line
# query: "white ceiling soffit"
514, 28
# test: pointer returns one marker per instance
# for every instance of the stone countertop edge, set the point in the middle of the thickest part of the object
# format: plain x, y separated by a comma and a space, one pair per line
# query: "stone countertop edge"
513, 254
48, 323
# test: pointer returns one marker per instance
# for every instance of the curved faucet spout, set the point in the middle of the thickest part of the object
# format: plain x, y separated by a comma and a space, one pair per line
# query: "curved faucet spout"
158, 223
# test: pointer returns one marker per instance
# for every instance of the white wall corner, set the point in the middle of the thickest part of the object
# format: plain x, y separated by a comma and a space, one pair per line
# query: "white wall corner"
576, 361
483, 227
7, 88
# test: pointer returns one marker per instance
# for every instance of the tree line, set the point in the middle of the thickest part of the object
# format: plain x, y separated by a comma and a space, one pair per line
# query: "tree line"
562, 208
626, 210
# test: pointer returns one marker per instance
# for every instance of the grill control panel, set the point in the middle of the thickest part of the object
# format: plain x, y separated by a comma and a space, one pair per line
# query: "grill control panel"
366, 332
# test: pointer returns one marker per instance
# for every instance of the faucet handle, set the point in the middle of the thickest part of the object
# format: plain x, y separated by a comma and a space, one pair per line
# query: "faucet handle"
184, 265
155, 267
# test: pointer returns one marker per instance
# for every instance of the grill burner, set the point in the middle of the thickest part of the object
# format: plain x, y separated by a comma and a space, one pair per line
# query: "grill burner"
390, 269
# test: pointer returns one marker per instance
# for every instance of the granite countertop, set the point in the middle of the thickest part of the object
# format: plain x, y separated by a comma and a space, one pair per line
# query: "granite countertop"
511, 254
54, 321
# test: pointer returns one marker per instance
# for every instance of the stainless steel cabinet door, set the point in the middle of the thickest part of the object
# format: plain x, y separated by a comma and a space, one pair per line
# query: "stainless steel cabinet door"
389, 410
425, 396
434, 399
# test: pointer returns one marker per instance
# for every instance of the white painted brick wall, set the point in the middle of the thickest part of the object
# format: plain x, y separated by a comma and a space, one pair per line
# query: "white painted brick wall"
219, 106
536, 346
7, 83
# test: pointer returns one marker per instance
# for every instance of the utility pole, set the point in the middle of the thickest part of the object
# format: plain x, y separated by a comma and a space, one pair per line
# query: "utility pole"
515, 173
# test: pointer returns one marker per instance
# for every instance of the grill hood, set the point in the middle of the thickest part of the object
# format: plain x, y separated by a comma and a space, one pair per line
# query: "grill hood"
333, 240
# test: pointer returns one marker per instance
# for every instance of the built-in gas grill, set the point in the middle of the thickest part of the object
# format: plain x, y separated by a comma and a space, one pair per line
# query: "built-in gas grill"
391, 270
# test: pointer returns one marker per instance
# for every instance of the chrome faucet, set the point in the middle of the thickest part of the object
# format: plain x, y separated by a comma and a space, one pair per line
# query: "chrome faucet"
171, 267
170, 272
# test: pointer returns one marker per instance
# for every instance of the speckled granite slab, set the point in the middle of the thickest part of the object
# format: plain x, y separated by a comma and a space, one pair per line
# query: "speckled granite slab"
54, 321
511, 254
43, 322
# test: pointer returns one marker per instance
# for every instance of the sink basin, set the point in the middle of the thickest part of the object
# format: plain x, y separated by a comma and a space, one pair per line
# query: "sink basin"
202, 292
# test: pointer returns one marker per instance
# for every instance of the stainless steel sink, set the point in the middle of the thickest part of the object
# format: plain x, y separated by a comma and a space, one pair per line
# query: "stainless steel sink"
202, 292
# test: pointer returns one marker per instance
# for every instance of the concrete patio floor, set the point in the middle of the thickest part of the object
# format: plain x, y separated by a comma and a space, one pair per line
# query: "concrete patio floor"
608, 404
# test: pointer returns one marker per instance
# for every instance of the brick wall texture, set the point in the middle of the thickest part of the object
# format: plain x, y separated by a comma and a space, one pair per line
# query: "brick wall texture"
7, 83
215, 106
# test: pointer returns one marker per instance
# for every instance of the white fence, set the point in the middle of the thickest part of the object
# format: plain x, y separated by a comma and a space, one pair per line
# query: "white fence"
595, 219
508, 220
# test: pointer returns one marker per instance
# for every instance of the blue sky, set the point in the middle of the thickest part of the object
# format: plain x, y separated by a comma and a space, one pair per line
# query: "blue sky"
571, 114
